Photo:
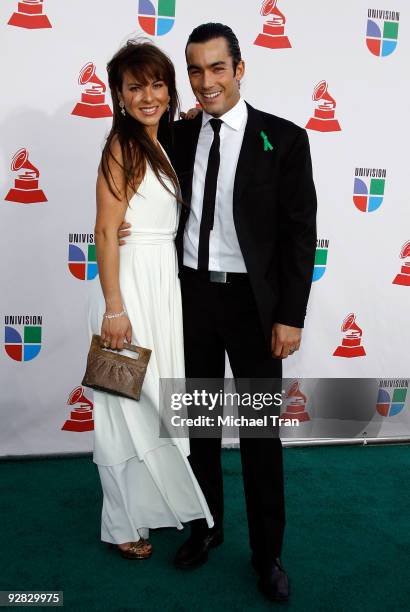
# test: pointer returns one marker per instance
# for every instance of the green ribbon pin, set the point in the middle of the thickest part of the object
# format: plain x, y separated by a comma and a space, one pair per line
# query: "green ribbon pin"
266, 144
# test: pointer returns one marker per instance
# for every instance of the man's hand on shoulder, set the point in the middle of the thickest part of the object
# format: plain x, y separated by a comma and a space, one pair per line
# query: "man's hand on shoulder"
285, 340
191, 113
123, 232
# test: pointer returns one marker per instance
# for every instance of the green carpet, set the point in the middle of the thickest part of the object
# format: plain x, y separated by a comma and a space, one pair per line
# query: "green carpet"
346, 548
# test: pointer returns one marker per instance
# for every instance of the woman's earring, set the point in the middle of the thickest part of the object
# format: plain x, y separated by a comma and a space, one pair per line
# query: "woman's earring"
122, 107
168, 108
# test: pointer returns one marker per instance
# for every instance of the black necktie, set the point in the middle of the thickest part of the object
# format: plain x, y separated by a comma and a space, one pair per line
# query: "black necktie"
208, 207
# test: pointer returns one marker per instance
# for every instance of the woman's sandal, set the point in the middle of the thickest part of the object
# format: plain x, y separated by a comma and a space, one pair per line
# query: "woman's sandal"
137, 550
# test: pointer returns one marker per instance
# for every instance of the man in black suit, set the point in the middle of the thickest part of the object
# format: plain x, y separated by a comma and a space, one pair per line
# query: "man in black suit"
246, 245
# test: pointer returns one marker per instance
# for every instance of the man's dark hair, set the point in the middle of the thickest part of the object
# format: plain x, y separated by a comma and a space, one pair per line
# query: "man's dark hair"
209, 31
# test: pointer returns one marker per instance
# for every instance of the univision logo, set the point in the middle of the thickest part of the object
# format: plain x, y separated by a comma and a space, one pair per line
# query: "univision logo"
22, 336
368, 191
391, 397
322, 247
82, 260
156, 23
382, 31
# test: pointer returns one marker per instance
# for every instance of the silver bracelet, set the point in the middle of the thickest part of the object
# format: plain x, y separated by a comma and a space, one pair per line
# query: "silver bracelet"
115, 315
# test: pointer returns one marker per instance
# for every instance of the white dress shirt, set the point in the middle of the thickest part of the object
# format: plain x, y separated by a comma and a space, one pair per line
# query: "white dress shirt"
224, 251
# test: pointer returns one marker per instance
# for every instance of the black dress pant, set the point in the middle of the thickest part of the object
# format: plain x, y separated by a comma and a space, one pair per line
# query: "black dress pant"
221, 317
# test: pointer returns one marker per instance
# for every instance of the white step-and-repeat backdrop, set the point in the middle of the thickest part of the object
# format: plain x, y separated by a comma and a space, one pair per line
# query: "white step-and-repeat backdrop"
338, 69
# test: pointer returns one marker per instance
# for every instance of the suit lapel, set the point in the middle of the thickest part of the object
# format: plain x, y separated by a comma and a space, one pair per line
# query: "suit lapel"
251, 144
187, 159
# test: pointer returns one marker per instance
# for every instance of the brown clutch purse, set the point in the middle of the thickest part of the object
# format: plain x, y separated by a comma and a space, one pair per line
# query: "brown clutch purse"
116, 373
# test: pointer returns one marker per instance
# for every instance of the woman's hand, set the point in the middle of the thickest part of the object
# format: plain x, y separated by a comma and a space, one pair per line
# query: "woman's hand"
114, 331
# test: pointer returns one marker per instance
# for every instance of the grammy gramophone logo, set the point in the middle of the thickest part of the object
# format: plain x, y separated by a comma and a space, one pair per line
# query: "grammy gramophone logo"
92, 105
295, 404
156, 23
351, 345
273, 31
81, 417
403, 277
30, 15
323, 119
26, 188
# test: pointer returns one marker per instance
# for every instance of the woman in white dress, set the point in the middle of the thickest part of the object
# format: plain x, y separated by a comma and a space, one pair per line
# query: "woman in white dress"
147, 481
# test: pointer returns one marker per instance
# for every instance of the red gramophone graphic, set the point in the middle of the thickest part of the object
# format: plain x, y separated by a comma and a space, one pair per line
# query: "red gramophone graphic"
30, 15
352, 339
273, 33
295, 404
403, 278
92, 103
324, 115
82, 415
26, 189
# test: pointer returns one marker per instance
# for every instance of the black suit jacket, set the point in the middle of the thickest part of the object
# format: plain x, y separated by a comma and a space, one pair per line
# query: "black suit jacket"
274, 211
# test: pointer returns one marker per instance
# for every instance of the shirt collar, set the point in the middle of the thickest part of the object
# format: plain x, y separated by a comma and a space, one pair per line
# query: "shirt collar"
235, 117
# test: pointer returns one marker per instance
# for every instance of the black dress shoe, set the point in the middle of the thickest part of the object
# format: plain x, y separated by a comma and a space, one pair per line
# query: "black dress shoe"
273, 582
194, 552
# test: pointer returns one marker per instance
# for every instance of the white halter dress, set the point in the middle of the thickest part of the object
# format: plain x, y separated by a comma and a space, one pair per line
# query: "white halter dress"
147, 481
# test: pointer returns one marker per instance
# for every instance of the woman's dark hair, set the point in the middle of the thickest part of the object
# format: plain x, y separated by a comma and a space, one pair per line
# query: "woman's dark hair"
209, 31
145, 61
